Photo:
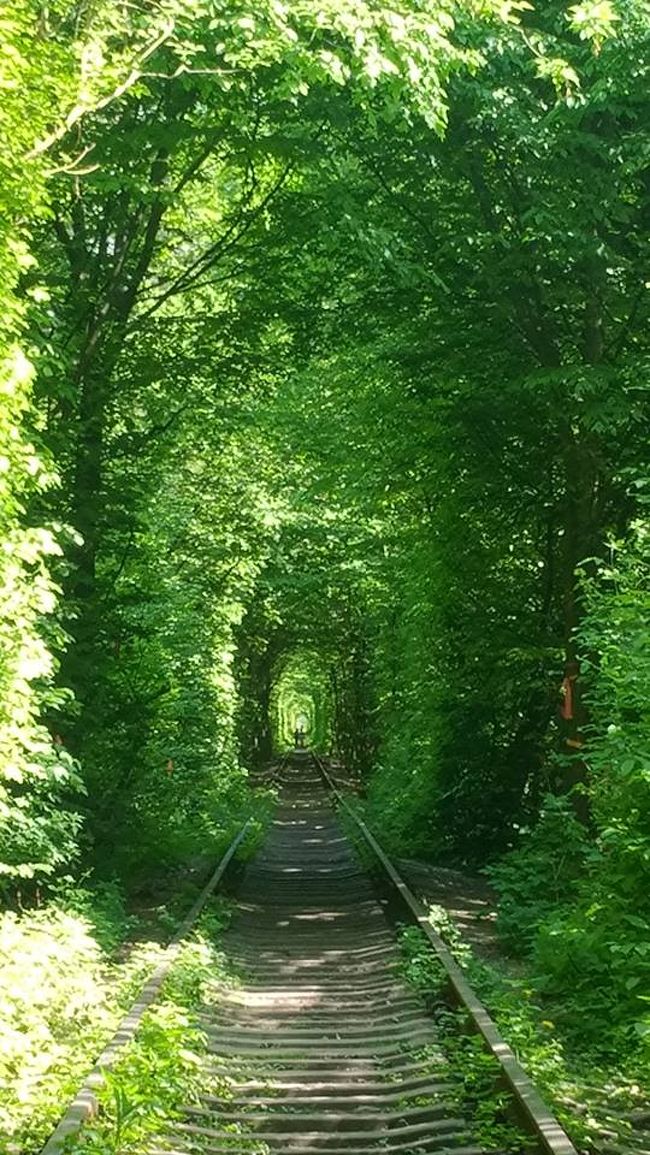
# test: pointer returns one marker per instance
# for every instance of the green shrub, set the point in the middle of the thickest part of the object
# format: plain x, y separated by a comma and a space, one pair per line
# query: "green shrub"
102, 905
551, 1033
541, 875
595, 962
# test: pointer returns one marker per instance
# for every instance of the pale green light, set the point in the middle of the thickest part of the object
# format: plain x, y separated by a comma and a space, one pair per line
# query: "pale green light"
301, 699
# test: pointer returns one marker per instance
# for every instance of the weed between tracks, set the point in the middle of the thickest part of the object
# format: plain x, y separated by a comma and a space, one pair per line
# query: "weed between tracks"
165, 1067
458, 1058
473, 1073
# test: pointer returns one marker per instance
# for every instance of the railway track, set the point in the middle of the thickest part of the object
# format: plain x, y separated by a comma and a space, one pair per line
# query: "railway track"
323, 1048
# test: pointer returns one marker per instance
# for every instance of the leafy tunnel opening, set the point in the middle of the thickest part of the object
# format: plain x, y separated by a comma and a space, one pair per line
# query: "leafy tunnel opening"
301, 699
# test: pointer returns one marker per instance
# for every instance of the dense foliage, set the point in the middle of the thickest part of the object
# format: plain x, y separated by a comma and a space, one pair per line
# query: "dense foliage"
323, 399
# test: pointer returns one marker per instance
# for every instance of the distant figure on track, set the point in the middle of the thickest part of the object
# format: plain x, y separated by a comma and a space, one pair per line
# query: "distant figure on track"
299, 738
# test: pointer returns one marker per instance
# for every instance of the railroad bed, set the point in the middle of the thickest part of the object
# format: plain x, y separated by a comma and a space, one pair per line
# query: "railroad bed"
324, 1046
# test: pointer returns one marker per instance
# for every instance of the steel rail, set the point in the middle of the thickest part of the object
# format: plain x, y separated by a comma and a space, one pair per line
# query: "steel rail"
85, 1104
535, 1114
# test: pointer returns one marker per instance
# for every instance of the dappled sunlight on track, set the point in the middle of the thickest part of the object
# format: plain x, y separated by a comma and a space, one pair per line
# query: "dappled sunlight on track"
323, 1047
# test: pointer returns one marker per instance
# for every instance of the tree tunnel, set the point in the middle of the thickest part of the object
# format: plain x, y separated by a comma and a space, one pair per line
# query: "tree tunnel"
302, 662
324, 380
301, 698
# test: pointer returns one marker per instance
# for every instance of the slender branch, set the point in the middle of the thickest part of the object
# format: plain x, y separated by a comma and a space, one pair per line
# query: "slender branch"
120, 569
80, 110
193, 286
71, 168
626, 326
229, 240
158, 430
196, 165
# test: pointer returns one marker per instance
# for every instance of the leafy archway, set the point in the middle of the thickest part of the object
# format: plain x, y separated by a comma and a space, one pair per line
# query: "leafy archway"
301, 699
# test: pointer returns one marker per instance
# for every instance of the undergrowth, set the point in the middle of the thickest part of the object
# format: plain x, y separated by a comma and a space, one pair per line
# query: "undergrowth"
473, 1072
62, 993
68, 972
578, 913
592, 1098
163, 1067
567, 1016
